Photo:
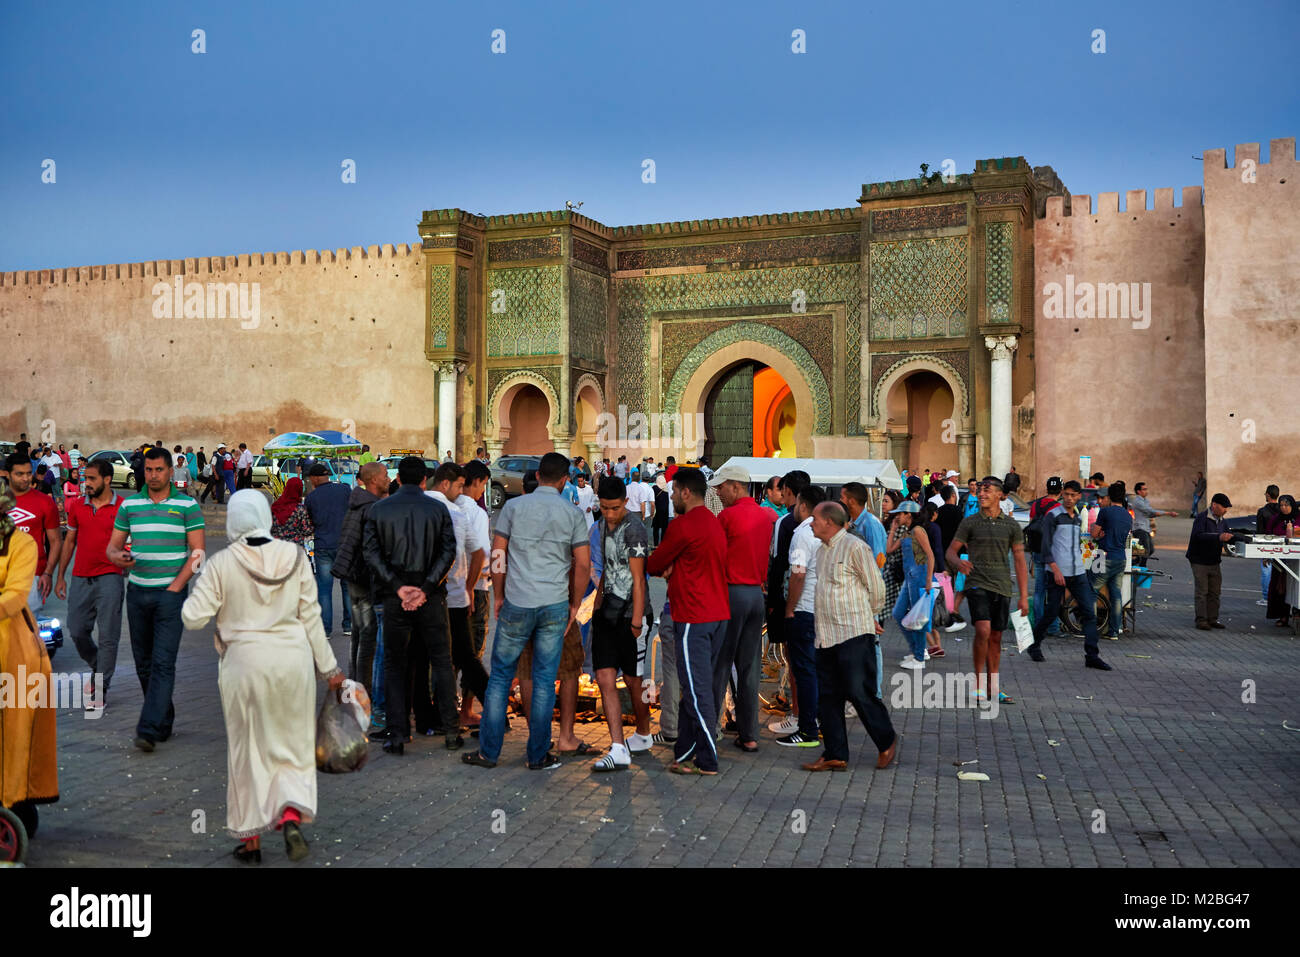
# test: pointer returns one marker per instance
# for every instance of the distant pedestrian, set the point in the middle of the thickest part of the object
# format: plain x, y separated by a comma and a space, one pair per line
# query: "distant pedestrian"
350, 568
1198, 492
244, 467
1112, 530
289, 519
1205, 554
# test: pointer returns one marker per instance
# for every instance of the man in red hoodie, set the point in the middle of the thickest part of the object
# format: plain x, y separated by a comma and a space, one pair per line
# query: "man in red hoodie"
693, 557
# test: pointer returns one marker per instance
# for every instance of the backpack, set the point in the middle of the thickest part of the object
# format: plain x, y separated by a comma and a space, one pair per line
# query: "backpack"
1034, 530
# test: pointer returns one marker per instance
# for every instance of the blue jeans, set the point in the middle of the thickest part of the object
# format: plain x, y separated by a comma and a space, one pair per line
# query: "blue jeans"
1085, 598
1041, 574
377, 694
1265, 573
1113, 578
154, 617
325, 592
230, 481
908, 597
516, 626
799, 647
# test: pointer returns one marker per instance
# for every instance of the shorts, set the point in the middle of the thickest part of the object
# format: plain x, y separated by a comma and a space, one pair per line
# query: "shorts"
988, 606
571, 657
614, 646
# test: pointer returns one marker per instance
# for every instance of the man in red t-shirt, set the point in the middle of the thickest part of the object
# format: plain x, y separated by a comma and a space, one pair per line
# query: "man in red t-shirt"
693, 557
670, 469
37, 515
97, 584
749, 539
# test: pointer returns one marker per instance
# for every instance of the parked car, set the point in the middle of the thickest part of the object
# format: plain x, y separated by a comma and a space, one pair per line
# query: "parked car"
508, 477
263, 468
121, 462
7, 449
51, 631
390, 463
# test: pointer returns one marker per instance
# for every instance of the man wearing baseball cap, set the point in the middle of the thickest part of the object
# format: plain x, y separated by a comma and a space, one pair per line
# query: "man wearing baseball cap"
749, 535
1205, 553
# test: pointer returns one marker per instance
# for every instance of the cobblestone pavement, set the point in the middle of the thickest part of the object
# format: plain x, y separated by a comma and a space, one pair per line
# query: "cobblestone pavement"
1158, 763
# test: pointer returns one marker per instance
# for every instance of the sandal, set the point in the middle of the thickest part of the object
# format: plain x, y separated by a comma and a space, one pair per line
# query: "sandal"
476, 758
607, 763
747, 748
676, 768
581, 750
935, 652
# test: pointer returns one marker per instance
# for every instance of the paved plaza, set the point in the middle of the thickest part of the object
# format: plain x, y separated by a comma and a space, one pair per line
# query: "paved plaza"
1156, 764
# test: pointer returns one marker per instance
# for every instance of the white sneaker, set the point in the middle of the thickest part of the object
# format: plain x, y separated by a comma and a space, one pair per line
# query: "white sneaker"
910, 658
787, 725
913, 663
957, 625
1262, 601
640, 743
616, 759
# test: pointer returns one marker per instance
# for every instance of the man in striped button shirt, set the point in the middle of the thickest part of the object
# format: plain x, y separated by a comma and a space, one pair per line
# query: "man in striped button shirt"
849, 588
166, 530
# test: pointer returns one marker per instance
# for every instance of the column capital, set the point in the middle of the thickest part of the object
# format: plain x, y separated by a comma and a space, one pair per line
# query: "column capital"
446, 368
1001, 346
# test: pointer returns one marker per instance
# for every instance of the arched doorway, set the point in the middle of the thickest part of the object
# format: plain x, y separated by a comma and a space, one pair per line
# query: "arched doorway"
524, 426
920, 412
587, 406
749, 411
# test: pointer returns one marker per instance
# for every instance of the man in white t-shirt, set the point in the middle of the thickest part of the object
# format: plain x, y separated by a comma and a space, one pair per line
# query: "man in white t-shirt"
586, 499
800, 632
478, 545
448, 487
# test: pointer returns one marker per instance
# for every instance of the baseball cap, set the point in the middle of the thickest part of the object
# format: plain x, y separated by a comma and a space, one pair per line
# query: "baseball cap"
1053, 485
318, 469
952, 473
907, 505
730, 473
1221, 499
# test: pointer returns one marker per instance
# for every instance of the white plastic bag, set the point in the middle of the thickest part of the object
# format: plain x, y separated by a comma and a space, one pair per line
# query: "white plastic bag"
1024, 633
918, 618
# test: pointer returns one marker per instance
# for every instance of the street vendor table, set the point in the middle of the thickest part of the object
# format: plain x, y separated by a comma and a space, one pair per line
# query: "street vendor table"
1283, 552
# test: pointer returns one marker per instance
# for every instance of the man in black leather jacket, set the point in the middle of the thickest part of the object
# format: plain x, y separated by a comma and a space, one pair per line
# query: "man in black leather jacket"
409, 544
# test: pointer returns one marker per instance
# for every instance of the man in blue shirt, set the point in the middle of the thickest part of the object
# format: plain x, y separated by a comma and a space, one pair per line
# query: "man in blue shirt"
853, 497
1112, 530
327, 505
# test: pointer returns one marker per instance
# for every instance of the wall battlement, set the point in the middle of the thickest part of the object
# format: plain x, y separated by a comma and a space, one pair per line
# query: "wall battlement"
1281, 155
202, 265
1108, 206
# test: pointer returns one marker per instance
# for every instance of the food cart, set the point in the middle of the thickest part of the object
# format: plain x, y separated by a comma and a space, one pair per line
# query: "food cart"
1283, 552
328, 446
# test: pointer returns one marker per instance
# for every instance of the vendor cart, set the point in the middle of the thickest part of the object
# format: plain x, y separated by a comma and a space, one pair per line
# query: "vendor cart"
1284, 553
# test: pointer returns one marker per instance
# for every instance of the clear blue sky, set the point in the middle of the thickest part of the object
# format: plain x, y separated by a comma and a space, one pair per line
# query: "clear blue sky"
162, 153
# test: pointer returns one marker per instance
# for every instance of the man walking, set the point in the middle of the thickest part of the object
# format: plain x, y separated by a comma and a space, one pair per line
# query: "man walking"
800, 627
409, 546
1112, 531
166, 532
244, 467
1143, 512
350, 568
778, 571
619, 624
541, 564
1062, 560
693, 557
327, 505
988, 538
1034, 544
97, 585
848, 593
35, 513
748, 528
1205, 554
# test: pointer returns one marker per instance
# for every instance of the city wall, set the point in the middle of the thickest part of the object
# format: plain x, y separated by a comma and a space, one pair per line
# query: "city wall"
1252, 322
337, 341
1119, 339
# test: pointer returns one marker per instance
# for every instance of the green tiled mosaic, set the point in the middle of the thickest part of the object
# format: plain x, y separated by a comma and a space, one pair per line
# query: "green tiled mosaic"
588, 310
462, 308
999, 251
918, 288
523, 314
439, 306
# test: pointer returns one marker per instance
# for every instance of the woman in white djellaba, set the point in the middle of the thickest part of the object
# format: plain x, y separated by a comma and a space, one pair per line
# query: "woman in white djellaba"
273, 648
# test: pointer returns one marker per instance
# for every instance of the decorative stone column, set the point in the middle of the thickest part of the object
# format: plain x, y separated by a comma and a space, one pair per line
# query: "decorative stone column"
495, 448
878, 444
563, 443
1003, 348
966, 456
900, 442
447, 374
595, 452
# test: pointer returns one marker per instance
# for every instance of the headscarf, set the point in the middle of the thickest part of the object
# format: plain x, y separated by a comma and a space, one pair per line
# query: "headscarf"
288, 501
248, 515
7, 502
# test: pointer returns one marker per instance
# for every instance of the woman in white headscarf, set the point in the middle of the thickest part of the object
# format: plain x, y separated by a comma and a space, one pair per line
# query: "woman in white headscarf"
269, 636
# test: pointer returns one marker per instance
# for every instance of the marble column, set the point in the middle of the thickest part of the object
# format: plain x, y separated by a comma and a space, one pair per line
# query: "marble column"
900, 442
878, 444
448, 372
1003, 348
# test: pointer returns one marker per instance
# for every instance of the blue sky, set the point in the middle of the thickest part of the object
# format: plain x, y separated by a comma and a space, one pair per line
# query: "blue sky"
163, 153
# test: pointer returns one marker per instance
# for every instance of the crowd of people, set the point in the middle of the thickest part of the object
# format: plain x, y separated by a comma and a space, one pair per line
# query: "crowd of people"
790, 584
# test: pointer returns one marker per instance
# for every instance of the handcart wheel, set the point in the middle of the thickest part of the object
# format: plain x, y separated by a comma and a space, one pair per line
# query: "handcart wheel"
13, 838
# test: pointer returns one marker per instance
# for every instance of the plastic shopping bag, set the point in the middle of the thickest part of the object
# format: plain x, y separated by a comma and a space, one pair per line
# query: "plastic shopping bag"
918, 618
1024, 633
944, 581
341, 744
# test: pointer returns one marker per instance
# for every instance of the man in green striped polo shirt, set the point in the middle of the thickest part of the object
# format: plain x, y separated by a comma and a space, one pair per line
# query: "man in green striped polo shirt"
166, 530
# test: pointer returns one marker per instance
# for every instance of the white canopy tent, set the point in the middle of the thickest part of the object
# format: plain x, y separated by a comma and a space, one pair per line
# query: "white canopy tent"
878, 473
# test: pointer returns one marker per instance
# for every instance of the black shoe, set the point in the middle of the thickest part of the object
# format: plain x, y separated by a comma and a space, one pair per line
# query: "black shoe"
395, 747
1035, 653
143, 743
248, 855
730, 727
1217, 624
1098, 664
1202, 627
295, 845
456, 743
547, 762
378, 734
476, 758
